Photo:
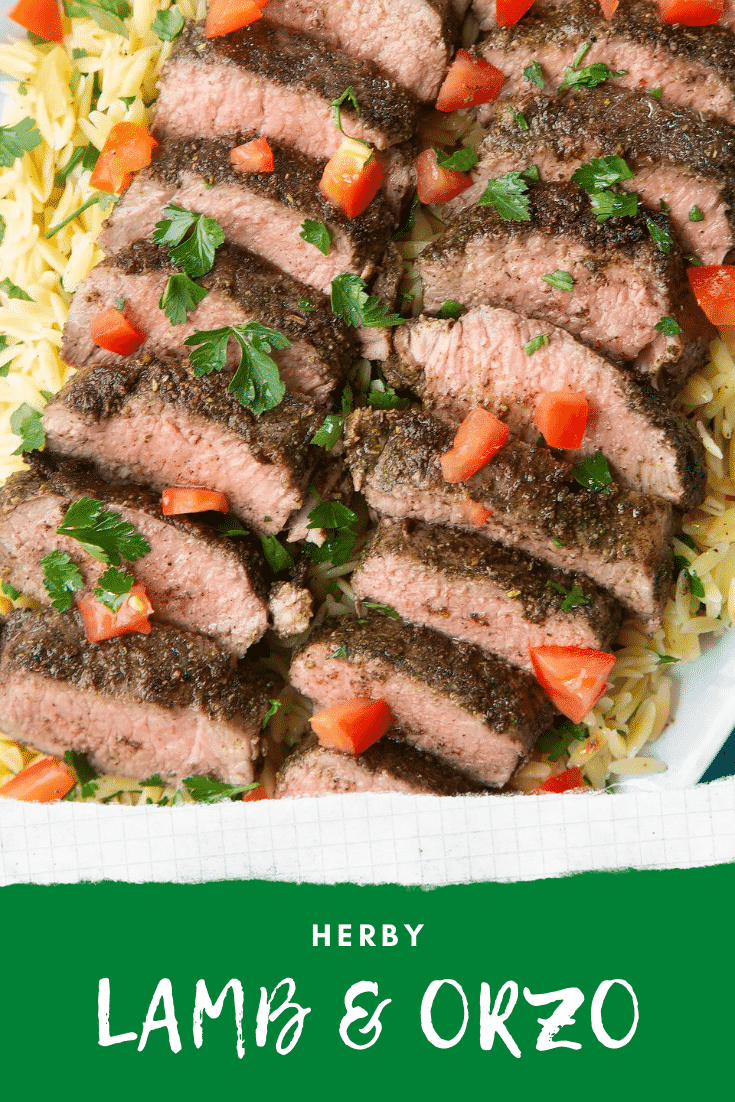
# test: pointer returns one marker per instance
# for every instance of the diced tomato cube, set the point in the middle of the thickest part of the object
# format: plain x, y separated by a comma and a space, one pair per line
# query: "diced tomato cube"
254, 794
225, 16
609, 7
254, 156
435, 184
574, 677
352, 178
561, 418
353, 726
100, 623
714, 290
186, 499
477, 514
469, 82
508, 12
570, 780
112, 331
41, 17
692, 13
477, 440
128, 148
41, 783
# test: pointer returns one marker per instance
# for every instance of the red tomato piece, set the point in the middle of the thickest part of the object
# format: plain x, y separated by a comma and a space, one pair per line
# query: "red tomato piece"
41, 17
254, 156
112, 331
470, 81
225, 16
692, 13
435, 184
128, 148
254, 794
574, 677
42, 782
567, 781
100, 623
561, 418
352, 178
508, 12
352, 726
609, 7
186, 499
714, 290
477, 440
477, 514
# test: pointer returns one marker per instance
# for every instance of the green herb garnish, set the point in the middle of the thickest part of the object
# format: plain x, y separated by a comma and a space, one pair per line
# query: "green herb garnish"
613, 204
556, 742
561, 280
508, 195
461, 161
203, 790
62, 578
601, 173
573, 598
451, 309
695, 214
533, 73
27, 423
191, 238
102, 533
181, 296
668, 326
351, 302
113, 587
277, 556
107, 14
16, 140
257, 383
535, 343
86, 775
168, 25
660, 236
593, 473
317, 234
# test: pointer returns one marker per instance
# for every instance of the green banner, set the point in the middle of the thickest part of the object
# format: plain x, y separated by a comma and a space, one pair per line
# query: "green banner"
453, 991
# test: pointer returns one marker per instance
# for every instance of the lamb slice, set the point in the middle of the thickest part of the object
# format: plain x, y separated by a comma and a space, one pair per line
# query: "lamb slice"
676, 156
411, 40
152, 421
262, 212
466, 587
195, 578
387, 766
693, 66
480, 360
171, 702
281, 84
623, 284
484, 11
242, 288
618, 538
473, 712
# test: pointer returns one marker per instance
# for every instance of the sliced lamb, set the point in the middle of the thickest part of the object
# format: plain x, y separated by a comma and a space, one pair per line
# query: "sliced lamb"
170, 702
280, 84
242, 287
411, 40
449, 699
195, 579
484, 11
460, 584
387, 766
153, 421
675, 155
694, 66
262, 212
619, 538
623, 284
480, 360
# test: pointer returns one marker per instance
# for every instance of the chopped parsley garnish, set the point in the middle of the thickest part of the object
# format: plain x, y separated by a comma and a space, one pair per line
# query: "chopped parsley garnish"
10, 591
682, 537
556, 742
601, 173
385, 609
593, 473
274, 707
668, 326
561, 280
535, 343
341, 523
27, 423
103, 199
573, 597
120, 304
533, 73
86, 775
107, 14
16, 140
695, 582
663, 206
277, 556
257, 383
181, 296
341, 652
461, 161
696, 215
351, 302
655, 92
229, 525
102, 533
317, 234
385, 398
405, 230
113, 587
664, 659
660, 236
613, 204
451, 309
306, 306
168, 25
508, 194
61, 578
348, 96
531, 173
693, 260
590, 76
203, 790
329, 432
12, 290
520, 119
154, 781
63, 174
191, 238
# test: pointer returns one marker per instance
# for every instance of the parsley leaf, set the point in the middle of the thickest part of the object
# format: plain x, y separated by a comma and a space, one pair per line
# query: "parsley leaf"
351, 302
385, 609
593, 473
195, 252
61, 578
102, 533
10, 591
695, 582
520, 119
613, 204
668, 326
102, 198
655, 92
573, 597
342, 525
696, 215
535, 343
561, 280
341, 652
556, 742
664, 659
385, 398
404, 230
329, 432
229, 525
461, 161
693, 260
533, 73
16, 140
590, 76
168, 25
660, 236
277, 556
317, 234
601, 173
27, 423
347, 96
275, 705
180, 296
347, 400
306, 306
173, 228
107, 14
63, 174
203, 790
154, 781
12, 290
531, 173
86, 775
113, 587
451, 309
508, 194
257, 383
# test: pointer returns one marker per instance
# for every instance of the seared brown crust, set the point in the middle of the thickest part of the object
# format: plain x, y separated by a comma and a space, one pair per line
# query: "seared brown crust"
507, 699
168, 668
294, 60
